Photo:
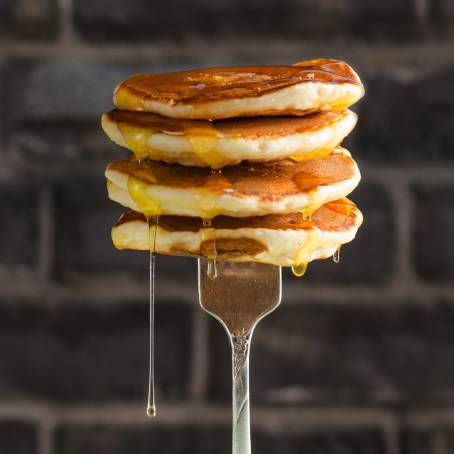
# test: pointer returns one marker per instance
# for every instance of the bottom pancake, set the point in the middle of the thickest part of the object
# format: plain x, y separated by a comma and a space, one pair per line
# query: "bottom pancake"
283, 240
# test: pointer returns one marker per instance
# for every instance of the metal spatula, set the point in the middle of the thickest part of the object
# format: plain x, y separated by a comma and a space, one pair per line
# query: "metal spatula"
240, 296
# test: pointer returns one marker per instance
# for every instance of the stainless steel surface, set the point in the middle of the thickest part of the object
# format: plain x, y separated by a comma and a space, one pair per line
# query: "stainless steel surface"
239, 297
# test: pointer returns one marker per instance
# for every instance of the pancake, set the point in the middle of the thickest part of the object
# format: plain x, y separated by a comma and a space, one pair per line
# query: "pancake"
284, 240
215, 93
244, 190
220, 143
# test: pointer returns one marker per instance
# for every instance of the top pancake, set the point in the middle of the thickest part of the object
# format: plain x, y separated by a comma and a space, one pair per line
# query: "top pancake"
215, 93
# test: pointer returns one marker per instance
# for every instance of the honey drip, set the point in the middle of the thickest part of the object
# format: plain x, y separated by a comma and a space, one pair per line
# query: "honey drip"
336, 255
152, 232
203, 142
300, 269
150, 208
137, 139
209, 234
316, 154
304, 253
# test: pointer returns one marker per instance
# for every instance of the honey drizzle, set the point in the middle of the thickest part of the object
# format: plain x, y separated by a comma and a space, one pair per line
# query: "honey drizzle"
209, 234
316, 154
152, 233
203, 142
304, 253
336, 255
150, 208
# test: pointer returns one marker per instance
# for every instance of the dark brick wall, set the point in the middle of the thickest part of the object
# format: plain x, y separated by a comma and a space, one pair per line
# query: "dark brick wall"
357, 360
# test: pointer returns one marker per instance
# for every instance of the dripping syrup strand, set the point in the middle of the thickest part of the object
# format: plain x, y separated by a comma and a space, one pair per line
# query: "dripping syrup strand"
152, 230
336, 255
212, 271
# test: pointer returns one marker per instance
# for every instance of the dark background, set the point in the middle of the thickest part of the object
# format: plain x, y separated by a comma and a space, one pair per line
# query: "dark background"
359, 359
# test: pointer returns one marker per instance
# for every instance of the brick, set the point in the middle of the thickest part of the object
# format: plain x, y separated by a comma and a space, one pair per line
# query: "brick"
346, 354
442, 15
433, 440
86, 353
389, 132
73, 439
84, 219
322, 441
103, 20
29, 19
18, 226
18, 437
433, 218
383, 20
368, 258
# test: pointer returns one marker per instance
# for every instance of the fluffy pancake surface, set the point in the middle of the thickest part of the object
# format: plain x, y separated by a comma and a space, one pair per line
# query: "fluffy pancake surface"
275, 239
243, 190
227, 142
215, 93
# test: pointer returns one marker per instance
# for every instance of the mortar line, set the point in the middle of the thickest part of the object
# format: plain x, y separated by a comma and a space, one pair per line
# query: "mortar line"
68, 35
294, 417
46, 435
412, 53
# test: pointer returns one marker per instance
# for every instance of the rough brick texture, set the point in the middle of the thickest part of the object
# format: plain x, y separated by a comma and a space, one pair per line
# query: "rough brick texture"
138, 19
18, 226
433, 214
391, 132
28, 19
433, 440
348, 354
18, 437
82, 353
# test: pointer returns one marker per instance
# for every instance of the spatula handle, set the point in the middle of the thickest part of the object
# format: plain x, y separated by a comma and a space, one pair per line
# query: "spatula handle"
241, 436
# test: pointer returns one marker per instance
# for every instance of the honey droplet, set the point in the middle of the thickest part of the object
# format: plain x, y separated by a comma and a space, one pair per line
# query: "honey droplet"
136, 138
203, 142
212, 271
304, 254
151, 411
145, 203
299, 269
336, 255
208, 234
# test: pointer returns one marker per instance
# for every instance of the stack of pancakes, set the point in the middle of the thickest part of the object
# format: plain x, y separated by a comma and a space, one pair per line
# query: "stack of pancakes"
237, 163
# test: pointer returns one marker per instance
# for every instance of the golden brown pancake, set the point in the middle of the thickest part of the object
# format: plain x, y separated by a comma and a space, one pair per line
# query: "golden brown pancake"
219, 143
276, 239
213, 93
243, 190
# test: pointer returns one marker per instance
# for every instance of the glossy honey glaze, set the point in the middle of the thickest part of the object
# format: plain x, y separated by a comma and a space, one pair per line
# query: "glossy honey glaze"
214, 84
